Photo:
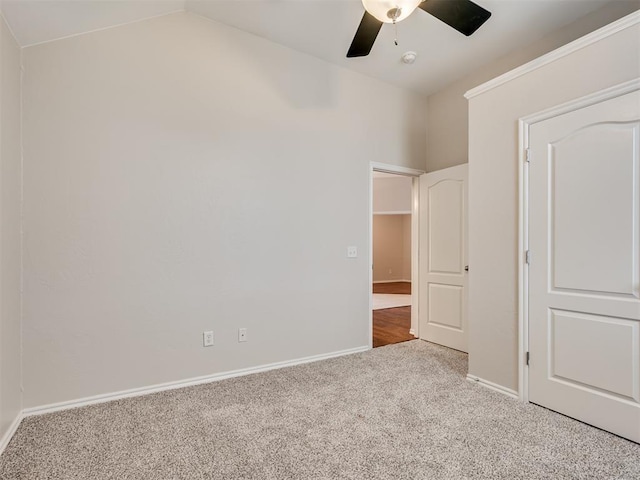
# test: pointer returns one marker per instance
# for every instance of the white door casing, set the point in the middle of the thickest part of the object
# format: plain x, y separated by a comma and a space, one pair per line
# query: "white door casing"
584, 270
415, 175
443, 257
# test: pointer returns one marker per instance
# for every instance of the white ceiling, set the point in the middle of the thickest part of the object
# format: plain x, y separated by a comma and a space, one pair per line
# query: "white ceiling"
325, 28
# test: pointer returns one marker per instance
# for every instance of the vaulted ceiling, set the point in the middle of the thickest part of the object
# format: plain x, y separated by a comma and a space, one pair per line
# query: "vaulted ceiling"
324, 29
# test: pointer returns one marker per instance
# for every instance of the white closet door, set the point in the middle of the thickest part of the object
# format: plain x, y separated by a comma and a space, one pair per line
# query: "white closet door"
584, 272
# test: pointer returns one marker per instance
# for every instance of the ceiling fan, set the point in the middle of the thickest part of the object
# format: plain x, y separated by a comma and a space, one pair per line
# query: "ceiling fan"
463, 15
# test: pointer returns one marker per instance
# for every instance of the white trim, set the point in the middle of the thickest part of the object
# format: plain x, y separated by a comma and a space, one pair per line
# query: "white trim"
604, 32
415, 258
137, 392
415, 219
399, 212
493, 386
393, 281
6, 438
396, 169
370, 239
585, 101
523, 267
523, 214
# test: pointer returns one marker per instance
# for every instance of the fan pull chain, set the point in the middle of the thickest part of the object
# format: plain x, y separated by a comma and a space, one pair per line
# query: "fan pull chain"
395, 40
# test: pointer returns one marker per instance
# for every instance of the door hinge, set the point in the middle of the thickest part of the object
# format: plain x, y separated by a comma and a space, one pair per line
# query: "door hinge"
527, 359
527, 155
527, 257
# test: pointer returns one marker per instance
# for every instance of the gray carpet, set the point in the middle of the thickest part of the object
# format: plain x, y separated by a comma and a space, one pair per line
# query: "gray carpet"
399, 412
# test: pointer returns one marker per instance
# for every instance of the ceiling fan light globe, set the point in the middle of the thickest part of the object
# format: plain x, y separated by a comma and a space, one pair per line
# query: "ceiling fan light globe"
380, 8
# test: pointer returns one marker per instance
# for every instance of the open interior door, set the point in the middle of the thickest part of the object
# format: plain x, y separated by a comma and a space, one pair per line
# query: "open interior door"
443, 257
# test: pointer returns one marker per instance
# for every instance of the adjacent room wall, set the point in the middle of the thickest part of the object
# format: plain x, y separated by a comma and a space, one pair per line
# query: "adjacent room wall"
392, 194
391, 230
391, 248
183, 176
493, 189
447, 114
10, 198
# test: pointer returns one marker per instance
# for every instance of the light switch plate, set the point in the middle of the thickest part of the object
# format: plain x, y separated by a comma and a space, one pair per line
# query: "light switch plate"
242, 334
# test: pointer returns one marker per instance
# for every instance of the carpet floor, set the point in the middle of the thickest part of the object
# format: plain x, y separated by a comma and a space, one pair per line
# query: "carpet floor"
403, 411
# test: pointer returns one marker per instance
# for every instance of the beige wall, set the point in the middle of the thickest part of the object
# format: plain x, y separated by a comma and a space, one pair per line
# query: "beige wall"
493, 188
391, 248
392, 194
183, 176
447, 113
10, 197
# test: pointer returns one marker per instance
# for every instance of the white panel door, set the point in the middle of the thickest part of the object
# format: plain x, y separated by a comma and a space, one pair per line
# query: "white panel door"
443, 257
584, 272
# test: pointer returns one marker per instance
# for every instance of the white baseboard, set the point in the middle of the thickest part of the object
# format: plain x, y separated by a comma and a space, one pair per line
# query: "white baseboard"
493, 386
137, 392
6, 438
393, 281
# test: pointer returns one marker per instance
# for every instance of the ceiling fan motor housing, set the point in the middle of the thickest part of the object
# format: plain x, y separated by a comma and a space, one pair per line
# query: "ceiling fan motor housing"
390, 11
394, 14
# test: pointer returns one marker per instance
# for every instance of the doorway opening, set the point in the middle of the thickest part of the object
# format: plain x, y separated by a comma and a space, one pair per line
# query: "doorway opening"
394, 230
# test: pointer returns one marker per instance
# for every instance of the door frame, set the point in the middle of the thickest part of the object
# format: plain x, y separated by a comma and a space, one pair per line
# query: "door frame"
414, 174
523, 211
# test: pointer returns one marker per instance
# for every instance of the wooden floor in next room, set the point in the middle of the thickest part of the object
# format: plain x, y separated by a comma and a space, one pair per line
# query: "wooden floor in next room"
392, 325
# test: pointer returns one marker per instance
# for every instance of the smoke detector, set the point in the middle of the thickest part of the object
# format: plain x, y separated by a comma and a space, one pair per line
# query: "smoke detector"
409, 57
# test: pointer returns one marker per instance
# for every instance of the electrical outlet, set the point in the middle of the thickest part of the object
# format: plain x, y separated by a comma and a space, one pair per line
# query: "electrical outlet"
207, 339
242, 334
352, 252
